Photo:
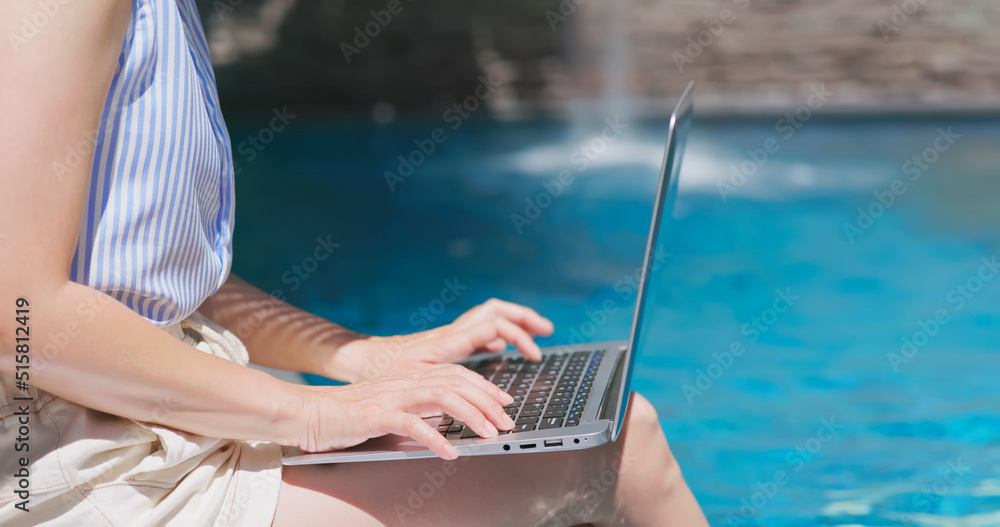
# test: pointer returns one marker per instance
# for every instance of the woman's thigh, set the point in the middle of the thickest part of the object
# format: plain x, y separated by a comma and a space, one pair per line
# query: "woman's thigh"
551, 488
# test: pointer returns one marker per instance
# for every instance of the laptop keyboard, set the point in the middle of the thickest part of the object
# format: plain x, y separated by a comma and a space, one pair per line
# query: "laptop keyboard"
547, 394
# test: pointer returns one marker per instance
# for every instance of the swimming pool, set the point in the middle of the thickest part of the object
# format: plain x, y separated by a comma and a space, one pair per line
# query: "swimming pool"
825, 415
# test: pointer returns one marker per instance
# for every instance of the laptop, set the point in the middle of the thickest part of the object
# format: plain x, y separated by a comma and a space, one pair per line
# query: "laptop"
576, 396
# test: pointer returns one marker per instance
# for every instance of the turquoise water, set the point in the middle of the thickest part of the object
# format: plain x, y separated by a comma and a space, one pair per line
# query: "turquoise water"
825, 417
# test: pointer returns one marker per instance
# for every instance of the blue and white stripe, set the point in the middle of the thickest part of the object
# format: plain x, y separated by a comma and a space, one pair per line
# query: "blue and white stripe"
157, 229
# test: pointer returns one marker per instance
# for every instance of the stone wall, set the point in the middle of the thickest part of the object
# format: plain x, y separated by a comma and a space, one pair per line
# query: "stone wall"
748, 55
339, 55
875, 54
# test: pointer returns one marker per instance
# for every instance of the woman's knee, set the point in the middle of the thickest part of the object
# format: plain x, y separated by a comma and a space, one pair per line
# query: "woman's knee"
645, 440
642, 416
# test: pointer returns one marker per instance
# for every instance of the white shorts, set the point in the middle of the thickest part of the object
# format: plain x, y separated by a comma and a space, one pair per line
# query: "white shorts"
93, 468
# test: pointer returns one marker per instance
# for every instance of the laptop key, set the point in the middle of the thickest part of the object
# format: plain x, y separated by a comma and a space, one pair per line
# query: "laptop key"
527, 427
552, 422
531, 413
527, 420
469, 433
572, 422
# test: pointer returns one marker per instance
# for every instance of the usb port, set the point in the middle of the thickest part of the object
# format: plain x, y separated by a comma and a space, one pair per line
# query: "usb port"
553, 442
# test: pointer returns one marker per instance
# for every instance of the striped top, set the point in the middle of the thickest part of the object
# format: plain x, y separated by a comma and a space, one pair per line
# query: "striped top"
157, 228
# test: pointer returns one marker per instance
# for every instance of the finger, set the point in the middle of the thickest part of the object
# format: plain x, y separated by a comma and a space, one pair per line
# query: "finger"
476, 336
472, 393
496, 345
484, 384
409, 425
452, 404
517, 336
388, 389
523, 316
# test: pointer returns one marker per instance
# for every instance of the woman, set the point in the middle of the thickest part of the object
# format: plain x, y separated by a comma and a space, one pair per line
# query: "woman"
115, 227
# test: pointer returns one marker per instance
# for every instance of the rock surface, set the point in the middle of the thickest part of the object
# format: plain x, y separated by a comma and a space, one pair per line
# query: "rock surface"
747, 55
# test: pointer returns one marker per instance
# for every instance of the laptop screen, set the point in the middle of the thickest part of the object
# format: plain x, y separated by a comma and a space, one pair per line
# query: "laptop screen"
666, 193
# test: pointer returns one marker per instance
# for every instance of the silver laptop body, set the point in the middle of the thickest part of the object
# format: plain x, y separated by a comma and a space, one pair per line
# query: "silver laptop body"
606, 371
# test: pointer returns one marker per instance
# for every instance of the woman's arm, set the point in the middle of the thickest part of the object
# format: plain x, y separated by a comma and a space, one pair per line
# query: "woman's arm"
84, 346
278, 334
92, 350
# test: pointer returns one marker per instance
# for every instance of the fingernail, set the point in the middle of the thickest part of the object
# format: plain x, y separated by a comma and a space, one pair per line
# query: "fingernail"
451, 451
508, 422
508, 398
491, 431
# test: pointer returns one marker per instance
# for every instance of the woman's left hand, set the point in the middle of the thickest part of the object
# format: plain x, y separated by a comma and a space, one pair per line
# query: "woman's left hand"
490, 326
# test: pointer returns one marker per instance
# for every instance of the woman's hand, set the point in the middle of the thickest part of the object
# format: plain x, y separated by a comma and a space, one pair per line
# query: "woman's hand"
343, 416
490, 326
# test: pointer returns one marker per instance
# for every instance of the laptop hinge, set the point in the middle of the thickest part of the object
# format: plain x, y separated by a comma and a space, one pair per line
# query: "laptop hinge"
609, 404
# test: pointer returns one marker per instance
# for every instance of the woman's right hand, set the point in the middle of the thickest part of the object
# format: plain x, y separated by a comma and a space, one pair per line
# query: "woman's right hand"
343, 416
